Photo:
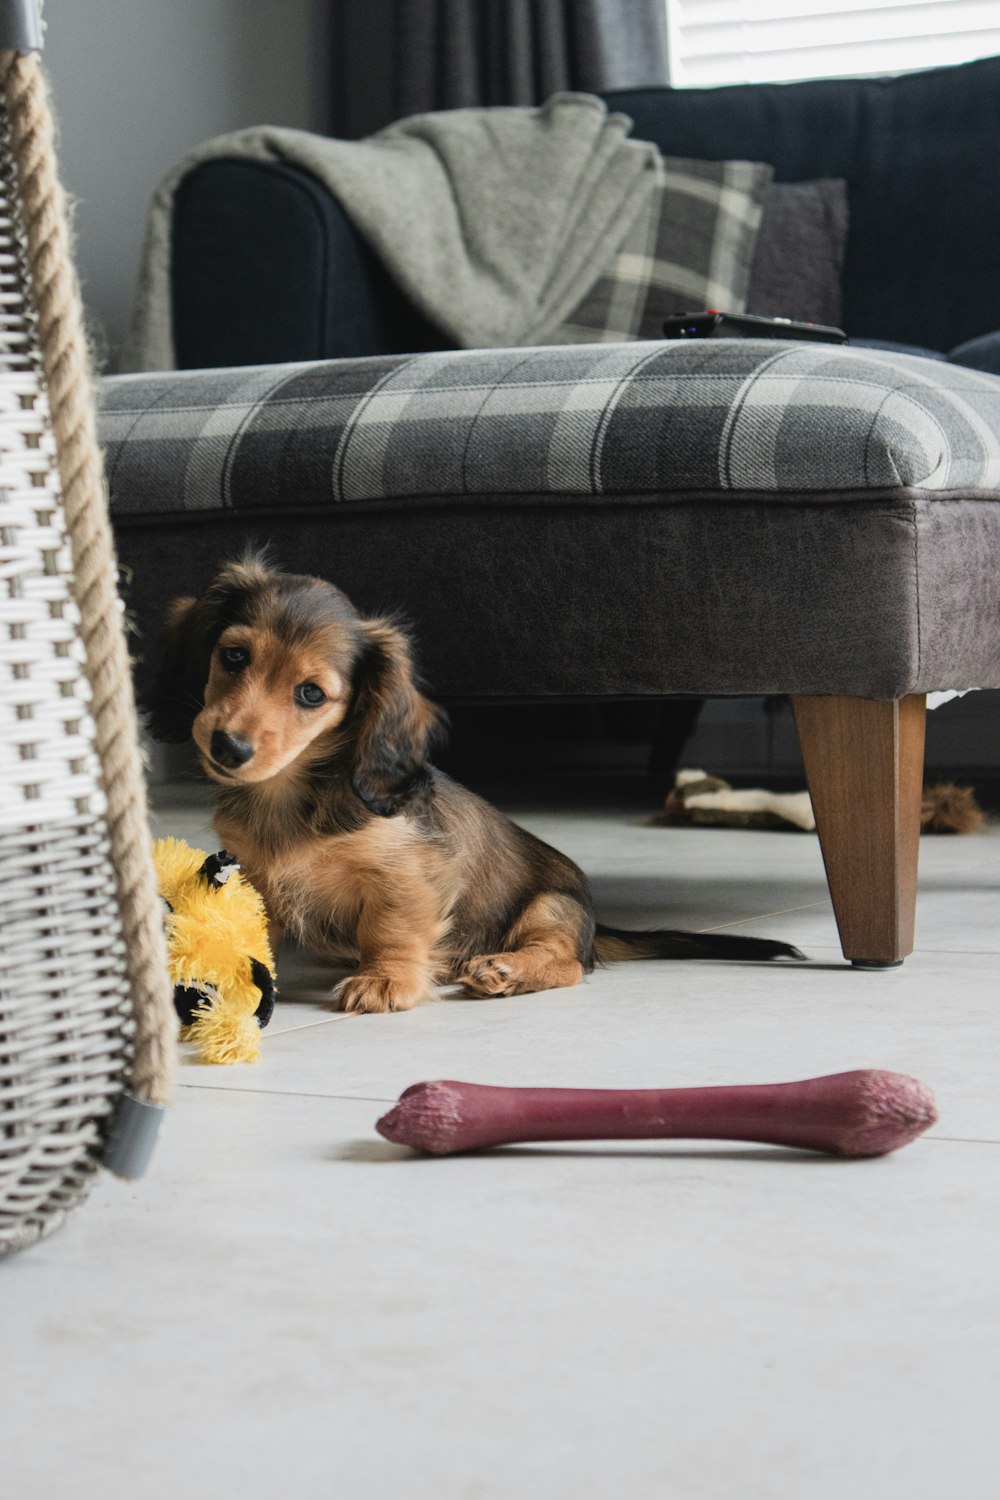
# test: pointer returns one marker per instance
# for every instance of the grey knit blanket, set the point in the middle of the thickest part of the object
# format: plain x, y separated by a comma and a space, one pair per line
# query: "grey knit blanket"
494, 222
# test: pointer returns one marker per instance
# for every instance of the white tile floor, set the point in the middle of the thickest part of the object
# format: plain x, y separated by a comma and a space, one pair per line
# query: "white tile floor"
290, 1306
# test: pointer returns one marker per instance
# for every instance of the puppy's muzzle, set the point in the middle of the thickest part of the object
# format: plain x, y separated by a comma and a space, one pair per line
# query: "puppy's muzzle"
229, 751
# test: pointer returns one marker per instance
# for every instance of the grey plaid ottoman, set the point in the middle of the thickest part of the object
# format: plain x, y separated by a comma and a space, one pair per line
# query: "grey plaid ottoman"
714, 517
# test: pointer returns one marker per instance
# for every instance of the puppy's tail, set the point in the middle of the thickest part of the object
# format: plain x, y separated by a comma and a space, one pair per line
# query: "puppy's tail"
612, 946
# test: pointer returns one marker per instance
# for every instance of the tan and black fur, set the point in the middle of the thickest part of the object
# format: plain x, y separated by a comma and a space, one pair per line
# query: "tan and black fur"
360, 847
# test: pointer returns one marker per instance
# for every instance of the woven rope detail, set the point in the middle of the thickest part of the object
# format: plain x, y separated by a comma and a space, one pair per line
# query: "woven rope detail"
66, 367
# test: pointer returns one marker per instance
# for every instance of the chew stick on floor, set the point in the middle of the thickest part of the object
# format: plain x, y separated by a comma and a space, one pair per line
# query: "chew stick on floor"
864, 1113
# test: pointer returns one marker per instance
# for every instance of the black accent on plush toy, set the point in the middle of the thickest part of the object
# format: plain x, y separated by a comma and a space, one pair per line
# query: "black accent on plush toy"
187, 998
262, 979
218, 867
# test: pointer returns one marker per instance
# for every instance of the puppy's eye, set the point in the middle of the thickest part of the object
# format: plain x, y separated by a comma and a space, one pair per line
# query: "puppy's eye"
234, 658
309, 695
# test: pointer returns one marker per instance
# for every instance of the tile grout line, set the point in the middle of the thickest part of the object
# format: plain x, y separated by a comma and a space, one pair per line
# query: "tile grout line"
964, 1140
306, 1025
949, 1140
765, 916
213, 1088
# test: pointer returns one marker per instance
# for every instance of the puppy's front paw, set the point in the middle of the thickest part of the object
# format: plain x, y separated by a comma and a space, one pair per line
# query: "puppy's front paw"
373, 993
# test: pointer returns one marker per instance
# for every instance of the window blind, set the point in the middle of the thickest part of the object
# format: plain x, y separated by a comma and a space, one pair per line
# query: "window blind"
752, 41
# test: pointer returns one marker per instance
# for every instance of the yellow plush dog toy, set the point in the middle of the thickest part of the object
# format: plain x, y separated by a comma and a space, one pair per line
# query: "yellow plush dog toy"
218, 952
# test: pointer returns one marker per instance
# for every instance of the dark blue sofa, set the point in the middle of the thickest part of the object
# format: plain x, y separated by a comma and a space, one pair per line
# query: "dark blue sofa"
267, 268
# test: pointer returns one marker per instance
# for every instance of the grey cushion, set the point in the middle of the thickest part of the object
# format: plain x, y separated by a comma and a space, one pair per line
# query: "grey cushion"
757, 416
799, 257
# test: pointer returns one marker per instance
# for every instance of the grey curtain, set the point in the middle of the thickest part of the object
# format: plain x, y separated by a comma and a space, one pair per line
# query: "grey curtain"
393, 58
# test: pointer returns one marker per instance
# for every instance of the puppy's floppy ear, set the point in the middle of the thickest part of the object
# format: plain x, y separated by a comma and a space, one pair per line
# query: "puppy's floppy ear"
193, 627
393, 725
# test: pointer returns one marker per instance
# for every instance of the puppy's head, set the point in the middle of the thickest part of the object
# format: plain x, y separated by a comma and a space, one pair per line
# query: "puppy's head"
272, 670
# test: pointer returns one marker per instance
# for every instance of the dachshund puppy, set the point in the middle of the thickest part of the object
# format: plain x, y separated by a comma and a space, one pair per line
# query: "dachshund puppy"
309, 719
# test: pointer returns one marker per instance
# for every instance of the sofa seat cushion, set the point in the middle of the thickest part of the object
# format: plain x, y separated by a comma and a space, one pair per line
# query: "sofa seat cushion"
759, 418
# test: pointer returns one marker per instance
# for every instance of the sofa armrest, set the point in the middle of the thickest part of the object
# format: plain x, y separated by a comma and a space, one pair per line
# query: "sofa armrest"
266, 267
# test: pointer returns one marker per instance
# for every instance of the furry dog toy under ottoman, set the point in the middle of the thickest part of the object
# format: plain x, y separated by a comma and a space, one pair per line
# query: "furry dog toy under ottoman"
700, 798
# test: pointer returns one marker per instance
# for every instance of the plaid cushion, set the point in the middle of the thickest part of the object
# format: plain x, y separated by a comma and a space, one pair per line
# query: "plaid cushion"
758, 417
691, 246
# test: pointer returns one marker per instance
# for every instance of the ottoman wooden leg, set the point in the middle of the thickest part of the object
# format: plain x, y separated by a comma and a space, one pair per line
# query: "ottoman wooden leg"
864, 763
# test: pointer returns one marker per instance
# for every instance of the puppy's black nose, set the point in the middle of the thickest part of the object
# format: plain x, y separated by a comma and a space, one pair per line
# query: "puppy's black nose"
229, 750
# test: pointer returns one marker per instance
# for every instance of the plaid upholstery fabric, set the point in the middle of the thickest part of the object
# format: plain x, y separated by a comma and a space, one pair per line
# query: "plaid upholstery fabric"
691, 246
758, 417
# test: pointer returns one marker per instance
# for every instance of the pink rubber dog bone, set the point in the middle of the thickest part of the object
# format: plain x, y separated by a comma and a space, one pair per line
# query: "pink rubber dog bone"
864, 1113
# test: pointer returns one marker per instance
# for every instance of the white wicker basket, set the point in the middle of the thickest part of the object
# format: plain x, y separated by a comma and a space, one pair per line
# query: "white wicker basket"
65, 1014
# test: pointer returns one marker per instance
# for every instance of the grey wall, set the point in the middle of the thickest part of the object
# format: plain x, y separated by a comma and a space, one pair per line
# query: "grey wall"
137, 82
